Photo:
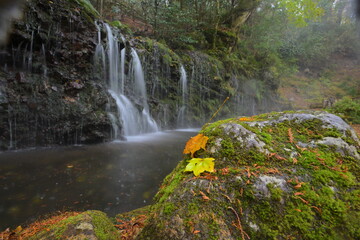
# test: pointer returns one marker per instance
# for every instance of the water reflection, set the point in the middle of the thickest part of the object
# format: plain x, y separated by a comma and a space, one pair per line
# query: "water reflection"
114, 177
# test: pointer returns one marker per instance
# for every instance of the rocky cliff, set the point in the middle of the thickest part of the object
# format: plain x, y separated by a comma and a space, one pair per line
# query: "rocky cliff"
57, 69
47, 95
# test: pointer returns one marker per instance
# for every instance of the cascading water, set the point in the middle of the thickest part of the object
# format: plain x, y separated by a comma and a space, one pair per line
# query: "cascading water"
133, 120
182, 111
148, 124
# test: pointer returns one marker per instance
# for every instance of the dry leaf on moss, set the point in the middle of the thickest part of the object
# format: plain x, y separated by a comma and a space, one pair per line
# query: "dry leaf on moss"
195, 144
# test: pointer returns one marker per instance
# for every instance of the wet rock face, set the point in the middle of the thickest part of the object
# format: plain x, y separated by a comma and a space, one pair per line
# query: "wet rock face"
48, 94
278, 176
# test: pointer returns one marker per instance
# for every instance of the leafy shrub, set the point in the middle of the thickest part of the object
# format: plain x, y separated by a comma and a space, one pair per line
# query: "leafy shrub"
349, 108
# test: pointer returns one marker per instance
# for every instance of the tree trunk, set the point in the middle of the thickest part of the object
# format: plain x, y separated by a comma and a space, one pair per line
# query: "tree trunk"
217, 23
101, 7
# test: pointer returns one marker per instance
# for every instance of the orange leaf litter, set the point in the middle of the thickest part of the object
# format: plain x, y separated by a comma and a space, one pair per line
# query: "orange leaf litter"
36, 227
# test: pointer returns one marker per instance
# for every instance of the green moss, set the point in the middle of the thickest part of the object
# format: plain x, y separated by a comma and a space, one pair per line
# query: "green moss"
86, 4
103, 227
321, 200
193, 208
265, 137
227, 148
168, 208
170, 183
276, 192
214, 228
326, 176
333, 132
348, 139
123, 27
213, 128
167, 59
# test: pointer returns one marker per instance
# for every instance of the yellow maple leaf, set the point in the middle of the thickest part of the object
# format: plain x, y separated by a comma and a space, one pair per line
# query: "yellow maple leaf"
195, 144
200, 165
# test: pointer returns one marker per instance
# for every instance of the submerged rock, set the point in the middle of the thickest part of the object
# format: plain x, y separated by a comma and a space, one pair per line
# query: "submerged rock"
278, 176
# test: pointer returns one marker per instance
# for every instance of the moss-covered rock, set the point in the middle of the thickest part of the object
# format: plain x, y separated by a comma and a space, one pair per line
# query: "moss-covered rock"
94, 225
278, 176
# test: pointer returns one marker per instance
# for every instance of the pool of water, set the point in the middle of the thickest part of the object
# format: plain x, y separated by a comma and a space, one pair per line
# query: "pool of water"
113, 177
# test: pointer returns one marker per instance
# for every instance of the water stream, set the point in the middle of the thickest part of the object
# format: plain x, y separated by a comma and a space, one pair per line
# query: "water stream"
114, 177
181, 121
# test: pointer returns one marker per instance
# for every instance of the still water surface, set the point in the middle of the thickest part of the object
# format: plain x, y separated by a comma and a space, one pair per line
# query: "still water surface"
113, 177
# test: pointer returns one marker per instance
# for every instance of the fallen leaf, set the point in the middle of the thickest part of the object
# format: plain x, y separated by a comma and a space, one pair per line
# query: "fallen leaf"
195, 143
69, 99
199, 165
248, 172
318, 209
204, 197
224, 171
18, 229
295, 161
290, 134
300, 148
246, 119
196, 232
303, 200
298, 210
277, 156
299, 193
299, 185
273, 171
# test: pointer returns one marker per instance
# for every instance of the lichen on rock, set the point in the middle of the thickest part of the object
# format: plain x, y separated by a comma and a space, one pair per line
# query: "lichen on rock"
266, 186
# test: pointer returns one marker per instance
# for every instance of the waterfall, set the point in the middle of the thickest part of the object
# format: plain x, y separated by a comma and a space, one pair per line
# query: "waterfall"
139, 80
134, 119
182, 110
99, 57
113, 60
122, 69
183, 82
44, 67
30, 58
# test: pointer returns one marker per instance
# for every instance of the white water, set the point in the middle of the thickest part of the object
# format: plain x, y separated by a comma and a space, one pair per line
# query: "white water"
99, 57
113, 60
183, 82
139, 79
134, 120
181, 121
30, 58
44, 67
122, 70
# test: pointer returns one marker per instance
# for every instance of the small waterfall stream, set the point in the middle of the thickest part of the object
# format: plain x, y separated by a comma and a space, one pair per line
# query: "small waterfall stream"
181, 121
134, 119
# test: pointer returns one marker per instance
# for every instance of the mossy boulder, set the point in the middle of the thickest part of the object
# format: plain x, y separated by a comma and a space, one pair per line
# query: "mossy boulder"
277, 176
87, 225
